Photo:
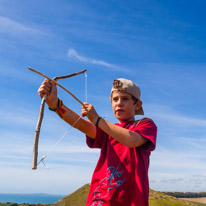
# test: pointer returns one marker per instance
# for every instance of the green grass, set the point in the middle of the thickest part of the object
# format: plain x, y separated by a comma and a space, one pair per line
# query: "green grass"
160, 199
78, 198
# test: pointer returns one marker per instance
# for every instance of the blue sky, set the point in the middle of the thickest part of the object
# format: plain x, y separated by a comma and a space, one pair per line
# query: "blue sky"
158, 44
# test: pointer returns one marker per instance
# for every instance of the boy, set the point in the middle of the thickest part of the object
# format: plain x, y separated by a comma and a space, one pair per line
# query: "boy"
121, 175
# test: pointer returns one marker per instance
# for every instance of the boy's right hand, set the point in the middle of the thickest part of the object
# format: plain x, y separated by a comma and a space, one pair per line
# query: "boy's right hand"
49, 88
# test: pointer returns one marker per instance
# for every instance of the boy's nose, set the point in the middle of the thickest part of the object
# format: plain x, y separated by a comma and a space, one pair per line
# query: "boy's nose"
119, 102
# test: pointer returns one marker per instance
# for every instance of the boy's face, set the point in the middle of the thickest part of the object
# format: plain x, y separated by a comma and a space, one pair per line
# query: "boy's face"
123, 106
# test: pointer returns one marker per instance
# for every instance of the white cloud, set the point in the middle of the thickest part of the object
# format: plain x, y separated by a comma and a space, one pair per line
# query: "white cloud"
178, 161
13, 27
183, 120
21, 73
56, 180
168, 114
73, 149
178, 170
17, 118
177, 182
73, 53
197, 145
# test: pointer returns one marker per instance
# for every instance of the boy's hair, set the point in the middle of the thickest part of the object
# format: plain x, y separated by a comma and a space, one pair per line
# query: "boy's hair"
129, 87
134, 99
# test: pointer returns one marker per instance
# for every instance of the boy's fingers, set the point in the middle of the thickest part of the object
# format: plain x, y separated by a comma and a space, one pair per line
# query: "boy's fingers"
42, 92
85, 104
45, 88
46, 81
88, 106
83, 114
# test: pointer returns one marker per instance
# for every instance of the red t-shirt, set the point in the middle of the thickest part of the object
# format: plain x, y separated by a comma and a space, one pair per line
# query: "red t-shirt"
121, 174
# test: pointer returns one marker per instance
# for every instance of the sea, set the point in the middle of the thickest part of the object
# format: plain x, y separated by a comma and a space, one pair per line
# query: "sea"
30, 198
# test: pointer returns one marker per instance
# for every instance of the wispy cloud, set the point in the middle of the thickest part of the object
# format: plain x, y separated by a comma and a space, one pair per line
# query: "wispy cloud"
184, 154
178, 161
13, 27
25, 176
169, 114
180, 170
197, 144
21, 73
188, 121
17, 117
178, 182
74, 54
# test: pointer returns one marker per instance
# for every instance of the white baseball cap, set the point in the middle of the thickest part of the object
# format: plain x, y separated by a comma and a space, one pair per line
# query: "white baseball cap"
129, 87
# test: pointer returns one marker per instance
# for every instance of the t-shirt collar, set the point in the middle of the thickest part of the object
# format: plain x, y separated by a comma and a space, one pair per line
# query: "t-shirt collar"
125, 122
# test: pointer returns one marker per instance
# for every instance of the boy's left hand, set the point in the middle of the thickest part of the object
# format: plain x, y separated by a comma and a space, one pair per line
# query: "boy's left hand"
90, 112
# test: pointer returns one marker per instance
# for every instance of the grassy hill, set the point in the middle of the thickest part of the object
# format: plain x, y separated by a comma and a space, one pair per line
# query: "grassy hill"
78, 198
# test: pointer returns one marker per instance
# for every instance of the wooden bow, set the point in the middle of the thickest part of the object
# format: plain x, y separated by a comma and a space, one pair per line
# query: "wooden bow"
41, 112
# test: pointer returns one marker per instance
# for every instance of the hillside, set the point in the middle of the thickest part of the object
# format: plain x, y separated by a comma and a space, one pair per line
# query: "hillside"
160, 199
78, 198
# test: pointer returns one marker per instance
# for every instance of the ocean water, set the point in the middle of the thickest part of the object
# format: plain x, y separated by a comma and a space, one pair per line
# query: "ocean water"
30, 198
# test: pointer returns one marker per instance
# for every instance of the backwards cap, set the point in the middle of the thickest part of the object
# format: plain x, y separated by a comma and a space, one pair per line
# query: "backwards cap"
129, 87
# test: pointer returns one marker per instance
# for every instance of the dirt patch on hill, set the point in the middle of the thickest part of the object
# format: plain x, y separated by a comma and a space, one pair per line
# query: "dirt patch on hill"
201, 199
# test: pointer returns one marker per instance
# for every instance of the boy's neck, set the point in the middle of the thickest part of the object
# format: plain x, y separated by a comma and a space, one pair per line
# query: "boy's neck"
126, 120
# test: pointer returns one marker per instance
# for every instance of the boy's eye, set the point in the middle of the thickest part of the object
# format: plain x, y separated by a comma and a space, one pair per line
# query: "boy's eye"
115, 99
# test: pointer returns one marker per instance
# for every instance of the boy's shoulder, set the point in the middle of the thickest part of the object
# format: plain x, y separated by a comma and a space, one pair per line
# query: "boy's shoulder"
145, 119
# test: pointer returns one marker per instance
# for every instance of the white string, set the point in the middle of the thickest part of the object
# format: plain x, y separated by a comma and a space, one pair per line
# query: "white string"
60, 139
86, 86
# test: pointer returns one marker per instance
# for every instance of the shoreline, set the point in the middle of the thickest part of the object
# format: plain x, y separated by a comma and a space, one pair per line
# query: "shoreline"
38, 198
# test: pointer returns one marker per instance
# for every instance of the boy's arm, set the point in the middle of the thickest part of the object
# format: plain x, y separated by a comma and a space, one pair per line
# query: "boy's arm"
122, 135
68, 115
83, 125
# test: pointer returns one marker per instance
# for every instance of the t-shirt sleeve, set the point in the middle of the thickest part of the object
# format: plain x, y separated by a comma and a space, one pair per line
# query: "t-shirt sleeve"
97, 142
148, 130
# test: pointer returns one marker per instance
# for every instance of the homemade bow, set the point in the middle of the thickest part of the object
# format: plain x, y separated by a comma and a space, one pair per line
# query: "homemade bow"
41, 112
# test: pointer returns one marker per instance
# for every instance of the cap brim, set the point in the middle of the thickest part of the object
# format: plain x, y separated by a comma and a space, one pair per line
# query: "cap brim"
140, 111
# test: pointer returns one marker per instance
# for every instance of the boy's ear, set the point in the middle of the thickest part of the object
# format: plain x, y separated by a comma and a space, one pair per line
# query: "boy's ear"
138, 105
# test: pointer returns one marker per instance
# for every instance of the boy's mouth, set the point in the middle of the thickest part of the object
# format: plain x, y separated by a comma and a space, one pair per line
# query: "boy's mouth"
119, 110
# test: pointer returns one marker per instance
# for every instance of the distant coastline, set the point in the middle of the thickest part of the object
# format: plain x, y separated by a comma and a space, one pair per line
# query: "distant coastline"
30, 198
